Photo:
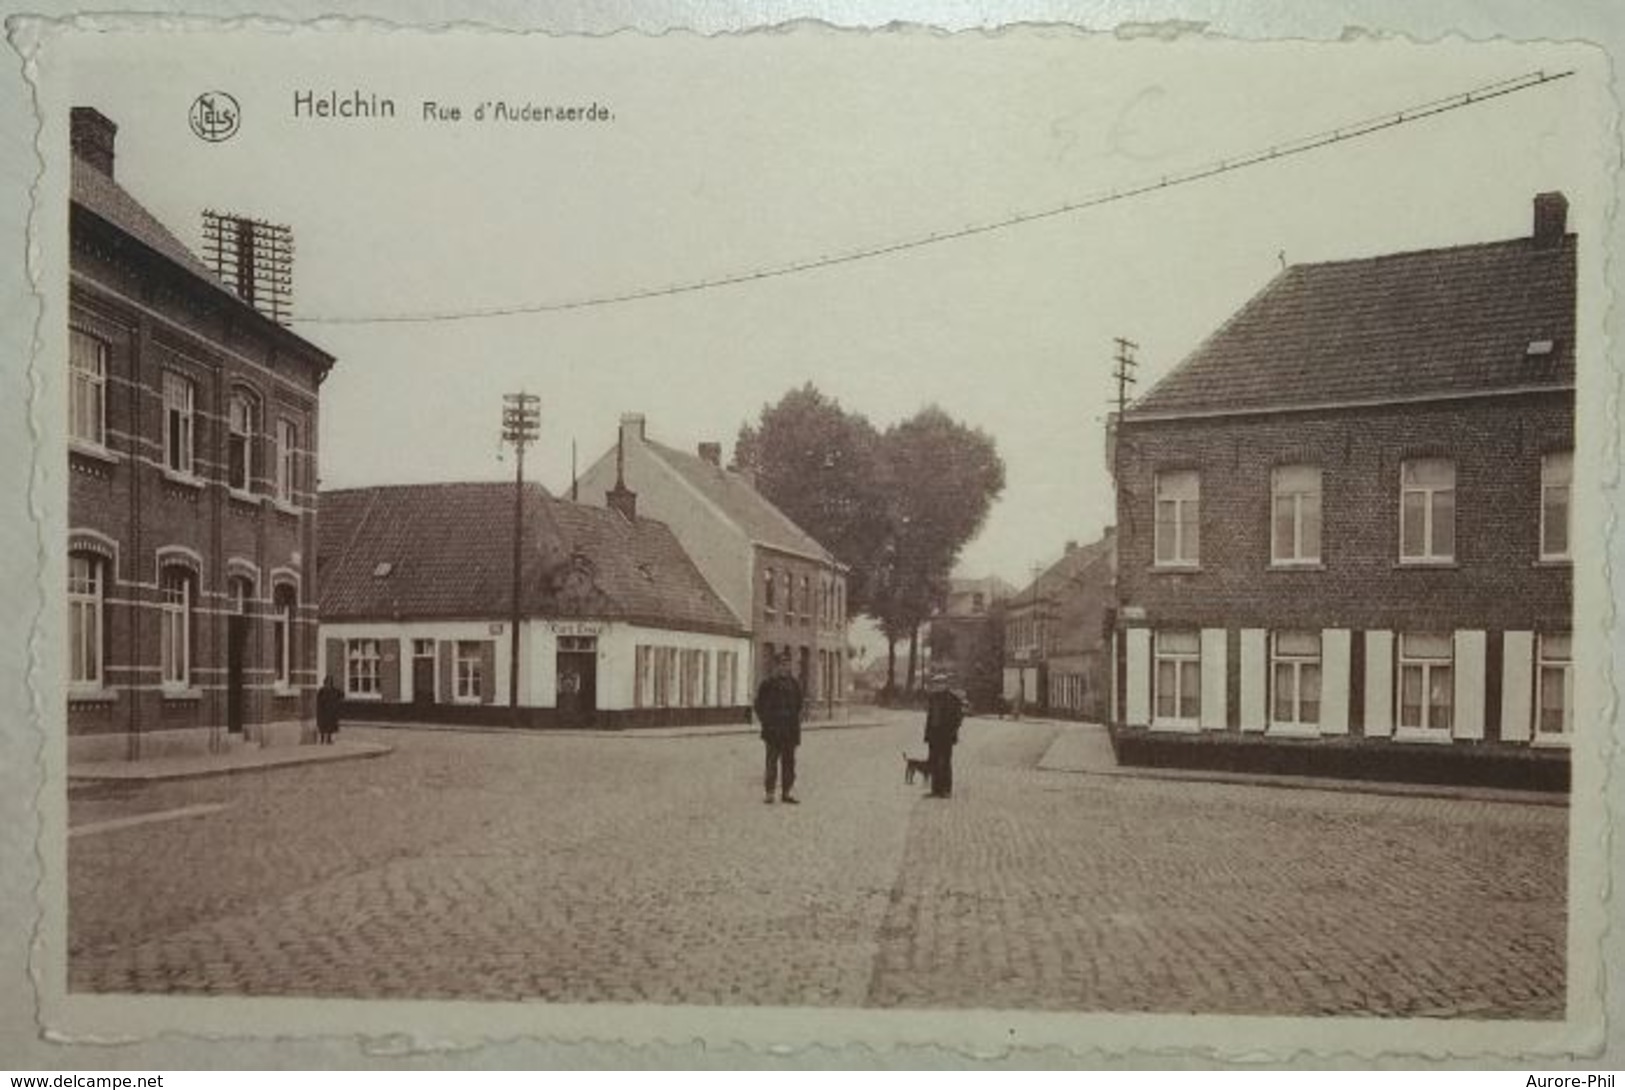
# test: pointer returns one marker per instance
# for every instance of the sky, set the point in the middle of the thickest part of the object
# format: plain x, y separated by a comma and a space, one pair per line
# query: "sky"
734, 154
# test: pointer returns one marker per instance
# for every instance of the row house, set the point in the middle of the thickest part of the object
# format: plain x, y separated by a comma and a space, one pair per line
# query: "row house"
783, 587
192, 421
1348, 514
617, 628
1057, 629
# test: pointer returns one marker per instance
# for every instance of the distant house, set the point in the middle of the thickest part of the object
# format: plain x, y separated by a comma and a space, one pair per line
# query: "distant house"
192, 424
1347, 515
1057, 635
617, 626
961, 640
780, 585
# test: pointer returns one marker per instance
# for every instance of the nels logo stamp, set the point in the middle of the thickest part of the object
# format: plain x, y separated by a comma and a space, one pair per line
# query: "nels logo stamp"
215, 116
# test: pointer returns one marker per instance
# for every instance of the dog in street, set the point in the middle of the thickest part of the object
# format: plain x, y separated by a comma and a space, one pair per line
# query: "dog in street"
916, 766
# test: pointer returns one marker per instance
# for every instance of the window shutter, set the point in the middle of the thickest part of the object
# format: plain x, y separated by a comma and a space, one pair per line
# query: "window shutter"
1254, 678
1139, 677
335, 662
1469, 712
488, 671
447, 693
1517, 685
1379, 684
1215, 679
1334, 680
389, 669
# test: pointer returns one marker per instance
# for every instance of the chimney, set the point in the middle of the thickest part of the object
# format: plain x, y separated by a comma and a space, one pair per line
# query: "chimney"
711, 454
621, 498
632, 425
1071, 547
92, 138
1551, 219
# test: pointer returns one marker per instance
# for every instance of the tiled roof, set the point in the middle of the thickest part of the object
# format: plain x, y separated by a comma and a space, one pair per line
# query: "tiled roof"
1083, 567
1412, 325
446, 551
763, 522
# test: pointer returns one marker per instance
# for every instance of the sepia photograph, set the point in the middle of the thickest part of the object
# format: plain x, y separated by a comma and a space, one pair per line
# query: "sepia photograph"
1037, 537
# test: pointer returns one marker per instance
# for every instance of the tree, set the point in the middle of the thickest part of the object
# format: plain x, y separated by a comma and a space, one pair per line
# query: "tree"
940, 478
818, 464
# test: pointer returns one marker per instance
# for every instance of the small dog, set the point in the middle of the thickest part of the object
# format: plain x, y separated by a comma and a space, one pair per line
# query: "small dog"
916, 766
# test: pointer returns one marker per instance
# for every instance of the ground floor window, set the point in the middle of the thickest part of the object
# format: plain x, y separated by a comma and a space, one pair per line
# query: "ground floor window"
361, 659
1555, 699
85, 596
176, 595
728, 678
1426, 682
1178, 677
284, 603
468, 671
1295, 679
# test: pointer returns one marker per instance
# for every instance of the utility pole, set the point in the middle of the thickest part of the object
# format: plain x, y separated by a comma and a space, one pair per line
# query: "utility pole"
1124, 374
521, 421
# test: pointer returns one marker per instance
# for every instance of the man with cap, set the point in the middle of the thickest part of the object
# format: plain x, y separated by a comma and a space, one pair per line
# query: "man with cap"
944, 711
778, 711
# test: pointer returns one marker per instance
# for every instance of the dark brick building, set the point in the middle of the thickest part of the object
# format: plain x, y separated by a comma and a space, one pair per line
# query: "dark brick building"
191, 491
1056, 635
1347, 514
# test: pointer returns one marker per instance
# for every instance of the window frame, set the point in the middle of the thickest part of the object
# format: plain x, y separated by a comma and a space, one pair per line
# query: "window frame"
287, 461
1186, 546
242, 412
363, 668
81, 378
89, 600
1429, 494
1543, 662
1298, 661
1547, 486
177, 603
1179, 658
1279, 492
284, 609
180, 425
1428, 666
468, 672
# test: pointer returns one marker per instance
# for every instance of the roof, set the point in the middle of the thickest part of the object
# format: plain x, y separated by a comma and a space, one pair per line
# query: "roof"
446, 551
1418, 325
1079, 568
764, 523
96, 192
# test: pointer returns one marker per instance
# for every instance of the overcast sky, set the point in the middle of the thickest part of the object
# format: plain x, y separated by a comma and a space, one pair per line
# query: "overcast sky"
734, 154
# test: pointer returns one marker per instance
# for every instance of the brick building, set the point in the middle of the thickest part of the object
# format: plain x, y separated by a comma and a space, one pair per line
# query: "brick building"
1347, 514
1057, 635
965, 639
617, 627
786, 589
191, 507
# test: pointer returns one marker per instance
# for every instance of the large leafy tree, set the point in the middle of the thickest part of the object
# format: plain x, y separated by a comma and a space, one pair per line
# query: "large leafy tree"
818, 463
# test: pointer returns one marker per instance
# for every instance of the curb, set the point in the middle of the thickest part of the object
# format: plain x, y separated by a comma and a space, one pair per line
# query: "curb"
138, 775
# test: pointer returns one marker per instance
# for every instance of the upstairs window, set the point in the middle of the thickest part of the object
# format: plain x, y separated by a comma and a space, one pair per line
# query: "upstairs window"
87, 392
770, 590
1295, 515
1556, 479
180, 398
1427, 510
240, 443
287, 460
1178, 534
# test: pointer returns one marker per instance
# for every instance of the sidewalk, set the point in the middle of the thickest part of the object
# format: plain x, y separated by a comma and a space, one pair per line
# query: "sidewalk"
247, 758
1087, 748
708, 730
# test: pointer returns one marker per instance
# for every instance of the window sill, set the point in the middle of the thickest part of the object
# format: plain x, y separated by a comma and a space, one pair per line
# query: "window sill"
192, 695
183, 480
362, 698
1435, 565
284, 692
1424, 737
1296, 565
84, 448
92, 696
1554, 562
283, 507
247, 499
1291, 730
1177, 726
1174, 569
1551, 741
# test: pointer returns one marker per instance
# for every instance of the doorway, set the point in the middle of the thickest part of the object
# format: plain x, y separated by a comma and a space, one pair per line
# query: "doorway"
578, 681
423, 667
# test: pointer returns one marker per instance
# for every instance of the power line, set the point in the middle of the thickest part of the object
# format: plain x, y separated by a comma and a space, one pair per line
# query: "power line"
1297, 146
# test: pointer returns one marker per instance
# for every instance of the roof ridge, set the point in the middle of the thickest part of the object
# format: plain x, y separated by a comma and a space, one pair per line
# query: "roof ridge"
1521, 241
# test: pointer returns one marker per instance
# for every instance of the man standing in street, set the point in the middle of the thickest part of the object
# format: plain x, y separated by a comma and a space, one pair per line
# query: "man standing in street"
944, 711
778, 711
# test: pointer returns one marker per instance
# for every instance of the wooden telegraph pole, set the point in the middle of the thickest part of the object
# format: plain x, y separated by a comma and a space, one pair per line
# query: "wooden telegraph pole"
521, 421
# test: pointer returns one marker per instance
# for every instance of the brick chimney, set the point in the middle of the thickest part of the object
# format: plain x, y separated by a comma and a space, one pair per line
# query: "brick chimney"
92, 136
621, 498
1551, 219
711, 454
632, 427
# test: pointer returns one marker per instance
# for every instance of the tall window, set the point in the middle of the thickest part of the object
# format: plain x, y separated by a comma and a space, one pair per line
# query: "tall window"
180, 396
1426, 683
1556, 476
240, 443
176, 591
1178, 534
287, 460
789, 597
1295, 515
85, 595
361, 659
284, 602
1295, 668
469, 680
727, 672
1427, 510
1178, 676
770, 590
87, 392
806, 600
1555, 700
642, 687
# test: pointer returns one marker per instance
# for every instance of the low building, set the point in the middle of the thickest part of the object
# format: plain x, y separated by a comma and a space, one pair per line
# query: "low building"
192, 424
617, 628
1057, 633
965, 638
1347, 515
781, 586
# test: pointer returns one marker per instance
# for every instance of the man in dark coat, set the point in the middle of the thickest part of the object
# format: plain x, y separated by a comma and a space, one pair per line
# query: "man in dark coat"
944, 711
778, 711
328, 702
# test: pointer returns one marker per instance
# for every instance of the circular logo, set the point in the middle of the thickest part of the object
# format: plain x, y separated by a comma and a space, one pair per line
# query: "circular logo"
215, 116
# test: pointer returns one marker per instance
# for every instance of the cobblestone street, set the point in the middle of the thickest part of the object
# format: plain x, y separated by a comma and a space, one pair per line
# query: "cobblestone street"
642, 869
